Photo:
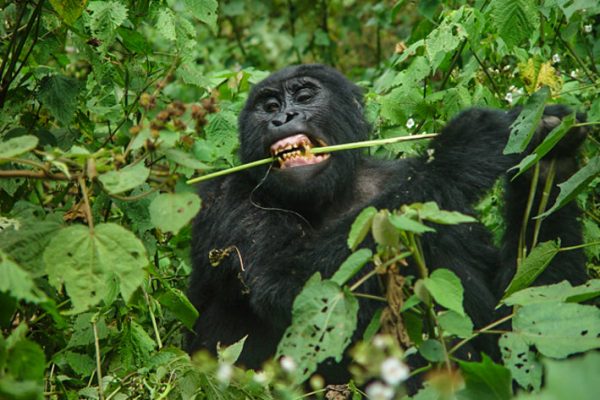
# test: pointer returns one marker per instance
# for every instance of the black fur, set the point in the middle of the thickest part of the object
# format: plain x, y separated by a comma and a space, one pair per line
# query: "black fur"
286, 226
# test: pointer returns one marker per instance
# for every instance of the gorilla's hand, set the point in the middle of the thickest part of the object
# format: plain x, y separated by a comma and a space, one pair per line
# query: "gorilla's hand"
569, 144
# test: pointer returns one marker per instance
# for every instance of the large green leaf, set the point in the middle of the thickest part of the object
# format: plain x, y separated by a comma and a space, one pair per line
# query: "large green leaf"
535, 263
125, 179
177, 302
445, 287
515, 20
16, 146
324, 317
172, 211
523, 128
562, 292
558, 329
90, 263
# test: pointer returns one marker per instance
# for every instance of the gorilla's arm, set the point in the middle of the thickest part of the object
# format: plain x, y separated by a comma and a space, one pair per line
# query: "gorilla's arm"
467, 158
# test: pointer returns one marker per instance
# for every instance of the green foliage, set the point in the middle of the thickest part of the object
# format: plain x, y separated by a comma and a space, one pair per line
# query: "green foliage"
107, 107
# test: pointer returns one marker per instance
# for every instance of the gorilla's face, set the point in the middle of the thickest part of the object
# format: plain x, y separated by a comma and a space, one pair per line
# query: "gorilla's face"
292, 112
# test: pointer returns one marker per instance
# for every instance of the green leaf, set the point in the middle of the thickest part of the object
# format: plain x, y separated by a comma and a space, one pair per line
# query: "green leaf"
183, 158
172, 211
88, 263
18, 282
125, 179
27, 360
58, 94
175, 301
204, 10
575, 185
69, 10
570, 7
135, 346
107, 17
404, 223
535, 263
575, 378
548, 144
230, 354
430, 211
432, 350
521, 361
27, 243
515, 20
361, 227
485, 380
446, 289
82, 364
17, 146
456, 324
383, 231
523, 128
559, 329
221, 132
324, 317
165, 24
351, 266
562, 292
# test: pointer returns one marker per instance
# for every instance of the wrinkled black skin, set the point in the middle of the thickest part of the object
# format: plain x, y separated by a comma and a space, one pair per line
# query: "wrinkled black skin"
292, 224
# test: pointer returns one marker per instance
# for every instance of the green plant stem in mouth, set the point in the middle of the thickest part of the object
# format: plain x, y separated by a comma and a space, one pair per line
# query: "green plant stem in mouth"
315, 150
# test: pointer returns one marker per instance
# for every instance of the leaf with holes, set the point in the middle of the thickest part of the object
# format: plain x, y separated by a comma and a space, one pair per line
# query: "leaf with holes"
204, 10
172, 211
521, 361
324, 317
89, 263
559, 329
562, 292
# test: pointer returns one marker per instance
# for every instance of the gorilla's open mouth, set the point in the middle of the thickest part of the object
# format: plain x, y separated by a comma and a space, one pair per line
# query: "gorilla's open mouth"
295, 151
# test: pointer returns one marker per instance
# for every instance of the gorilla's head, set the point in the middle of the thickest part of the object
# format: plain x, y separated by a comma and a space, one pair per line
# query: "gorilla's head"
291, 112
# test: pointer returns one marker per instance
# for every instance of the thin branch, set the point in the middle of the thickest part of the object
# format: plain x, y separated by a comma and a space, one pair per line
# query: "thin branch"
87, 208
23, 173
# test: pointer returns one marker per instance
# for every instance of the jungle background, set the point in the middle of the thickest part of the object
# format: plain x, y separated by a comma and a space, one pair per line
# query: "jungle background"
107, 108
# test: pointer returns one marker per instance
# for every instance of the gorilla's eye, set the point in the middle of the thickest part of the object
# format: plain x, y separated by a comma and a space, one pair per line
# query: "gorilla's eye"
271, 105
304, 95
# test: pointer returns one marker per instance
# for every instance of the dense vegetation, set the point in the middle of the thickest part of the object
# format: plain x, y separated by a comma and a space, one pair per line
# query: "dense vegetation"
108, 107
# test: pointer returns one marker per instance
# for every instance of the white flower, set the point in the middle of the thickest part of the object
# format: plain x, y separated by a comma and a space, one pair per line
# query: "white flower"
394, 371
288, 364
410, 123
379, 341
556, 59
509, 97
260, 377
587, 28
224, 373
379, 391
573, 74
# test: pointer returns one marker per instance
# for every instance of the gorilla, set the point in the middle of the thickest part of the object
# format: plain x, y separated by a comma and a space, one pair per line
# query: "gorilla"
274, 226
